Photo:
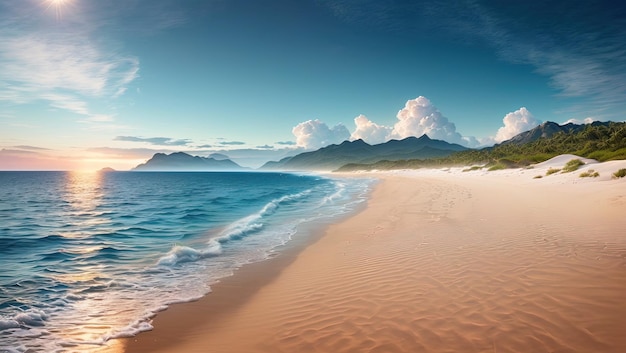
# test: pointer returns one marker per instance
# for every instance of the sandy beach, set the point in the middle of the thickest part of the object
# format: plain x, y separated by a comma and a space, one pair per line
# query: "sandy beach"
438, 261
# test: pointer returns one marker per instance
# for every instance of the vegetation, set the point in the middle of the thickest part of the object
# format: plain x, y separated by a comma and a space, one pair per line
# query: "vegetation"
538, 177
589, 174
552, 171
572, 165
473, 168
602, 141
620, 173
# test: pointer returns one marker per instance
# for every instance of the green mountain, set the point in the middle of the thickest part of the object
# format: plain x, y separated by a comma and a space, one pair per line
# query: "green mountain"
600, 140
334, 156
181, 161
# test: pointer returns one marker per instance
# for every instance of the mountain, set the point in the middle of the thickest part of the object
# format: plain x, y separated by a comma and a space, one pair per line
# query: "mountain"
106, 170
602, 141
181, 161
218, 156
358, 151
549, 129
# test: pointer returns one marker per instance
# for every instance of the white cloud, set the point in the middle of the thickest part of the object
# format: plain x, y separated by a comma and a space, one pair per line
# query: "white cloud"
514, 123
369, 131
41, 63
66, 67
419, 116
314, 134
587, 120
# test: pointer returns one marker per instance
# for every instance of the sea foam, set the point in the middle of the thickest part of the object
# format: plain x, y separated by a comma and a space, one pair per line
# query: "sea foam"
99, 259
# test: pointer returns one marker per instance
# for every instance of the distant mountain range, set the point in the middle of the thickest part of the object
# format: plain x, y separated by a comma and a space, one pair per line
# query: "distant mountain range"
549, 129
358, 151
181, 161
602, 141
599, 140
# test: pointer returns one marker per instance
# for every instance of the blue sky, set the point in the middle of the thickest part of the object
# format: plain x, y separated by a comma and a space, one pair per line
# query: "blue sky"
88, 84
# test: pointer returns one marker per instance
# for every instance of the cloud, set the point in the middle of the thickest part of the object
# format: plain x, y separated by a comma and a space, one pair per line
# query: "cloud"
159, 141
579, 46
12, 152
369, 131
515, 123
286, 143
587, 120
31, 148
419, 116
314, 134
44, 65
62, 63
128, 153
31, 160
232, 143
265, 147
582, 53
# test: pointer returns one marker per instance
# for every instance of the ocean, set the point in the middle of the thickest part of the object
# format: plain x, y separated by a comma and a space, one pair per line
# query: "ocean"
89, 257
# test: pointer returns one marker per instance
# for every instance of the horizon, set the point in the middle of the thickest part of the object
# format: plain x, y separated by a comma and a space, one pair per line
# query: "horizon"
89, 85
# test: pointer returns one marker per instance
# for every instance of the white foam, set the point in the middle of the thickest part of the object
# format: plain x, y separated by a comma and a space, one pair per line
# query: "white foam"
6, 323
251, 223
181, 253
130, 330
31, 318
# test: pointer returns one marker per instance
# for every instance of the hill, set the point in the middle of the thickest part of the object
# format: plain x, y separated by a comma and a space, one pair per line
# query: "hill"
602, 141
181, 161
358, 151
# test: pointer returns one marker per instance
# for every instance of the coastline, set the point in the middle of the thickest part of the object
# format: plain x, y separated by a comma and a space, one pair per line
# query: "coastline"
439, 260
181, 322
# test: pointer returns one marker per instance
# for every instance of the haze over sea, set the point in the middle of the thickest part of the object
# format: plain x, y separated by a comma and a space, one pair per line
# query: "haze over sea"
87, 257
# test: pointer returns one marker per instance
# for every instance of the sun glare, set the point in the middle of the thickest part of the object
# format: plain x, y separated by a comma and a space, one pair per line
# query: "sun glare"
57, 6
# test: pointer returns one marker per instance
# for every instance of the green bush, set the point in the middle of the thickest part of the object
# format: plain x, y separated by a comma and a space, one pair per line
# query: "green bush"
552, 171
476, 167
620, 173
590, 173
538, 177
572, 165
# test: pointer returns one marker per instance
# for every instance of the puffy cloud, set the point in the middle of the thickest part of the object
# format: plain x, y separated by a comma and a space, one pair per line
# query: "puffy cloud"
314, 134
514, 123
587, 120
369, 131
419, 116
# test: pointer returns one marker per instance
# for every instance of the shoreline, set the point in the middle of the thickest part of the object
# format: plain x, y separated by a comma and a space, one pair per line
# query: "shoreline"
437, 261
181, 321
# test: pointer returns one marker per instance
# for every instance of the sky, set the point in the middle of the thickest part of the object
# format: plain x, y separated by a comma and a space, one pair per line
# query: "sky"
90, 84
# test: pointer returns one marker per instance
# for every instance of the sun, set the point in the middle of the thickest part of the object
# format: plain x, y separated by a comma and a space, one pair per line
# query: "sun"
57, 6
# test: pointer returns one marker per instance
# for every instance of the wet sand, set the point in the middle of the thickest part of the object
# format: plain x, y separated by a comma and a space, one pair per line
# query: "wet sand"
439, 261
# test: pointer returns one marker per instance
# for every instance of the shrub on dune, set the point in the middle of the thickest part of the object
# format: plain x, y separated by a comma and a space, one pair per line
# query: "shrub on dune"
620, 173
552, 171
572, 165
589, 174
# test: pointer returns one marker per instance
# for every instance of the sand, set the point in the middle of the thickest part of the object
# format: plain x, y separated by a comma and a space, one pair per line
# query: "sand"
439, 261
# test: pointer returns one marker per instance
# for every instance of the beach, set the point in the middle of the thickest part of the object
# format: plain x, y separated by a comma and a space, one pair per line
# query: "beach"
438, 261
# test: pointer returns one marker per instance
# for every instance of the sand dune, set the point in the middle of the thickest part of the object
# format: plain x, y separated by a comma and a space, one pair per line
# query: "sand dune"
446, 261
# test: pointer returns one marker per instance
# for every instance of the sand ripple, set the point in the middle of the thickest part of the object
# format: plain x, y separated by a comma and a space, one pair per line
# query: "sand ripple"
450, 265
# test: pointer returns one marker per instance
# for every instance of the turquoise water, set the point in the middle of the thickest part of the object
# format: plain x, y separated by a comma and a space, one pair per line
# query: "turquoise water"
86, 258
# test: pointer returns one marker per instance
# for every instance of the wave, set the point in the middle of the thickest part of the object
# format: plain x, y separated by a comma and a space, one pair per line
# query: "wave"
28, 318
181, 253
252, 223
235, 231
